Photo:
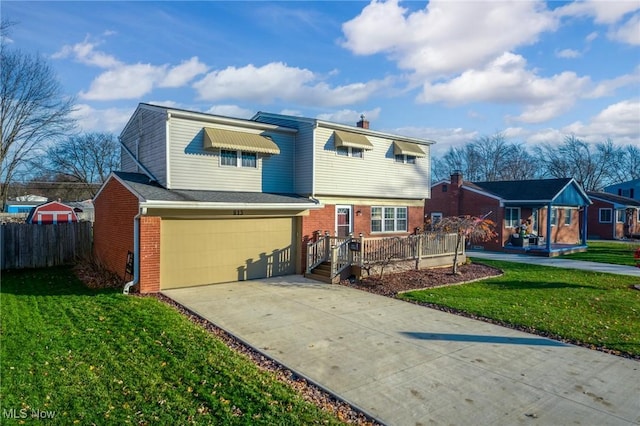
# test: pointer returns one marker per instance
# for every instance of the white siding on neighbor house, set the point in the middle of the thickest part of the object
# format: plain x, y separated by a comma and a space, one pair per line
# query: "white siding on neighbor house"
193, 167
375, 175
303, 166
147, 128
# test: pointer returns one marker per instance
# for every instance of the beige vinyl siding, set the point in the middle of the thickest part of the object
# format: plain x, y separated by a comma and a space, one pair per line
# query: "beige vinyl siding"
375, 175
303, 167
193, 167
147, 129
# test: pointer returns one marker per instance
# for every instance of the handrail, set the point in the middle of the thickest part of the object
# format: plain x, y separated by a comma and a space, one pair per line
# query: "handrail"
340, 255
317, 252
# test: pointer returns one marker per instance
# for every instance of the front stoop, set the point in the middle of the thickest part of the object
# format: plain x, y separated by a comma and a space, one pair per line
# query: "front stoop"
323, 273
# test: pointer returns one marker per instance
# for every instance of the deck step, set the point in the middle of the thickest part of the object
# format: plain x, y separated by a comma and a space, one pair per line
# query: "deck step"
317, 277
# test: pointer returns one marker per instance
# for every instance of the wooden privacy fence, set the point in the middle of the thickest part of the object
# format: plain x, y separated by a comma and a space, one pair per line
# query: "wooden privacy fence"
38, 246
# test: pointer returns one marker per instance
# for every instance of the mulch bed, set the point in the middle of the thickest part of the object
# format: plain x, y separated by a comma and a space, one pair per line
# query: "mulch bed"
392, 284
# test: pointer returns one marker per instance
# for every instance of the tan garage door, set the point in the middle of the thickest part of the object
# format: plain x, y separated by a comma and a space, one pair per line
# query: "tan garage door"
209, 251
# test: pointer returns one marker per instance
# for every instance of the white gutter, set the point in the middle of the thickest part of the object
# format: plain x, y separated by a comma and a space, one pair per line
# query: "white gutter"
198, 205
136, 254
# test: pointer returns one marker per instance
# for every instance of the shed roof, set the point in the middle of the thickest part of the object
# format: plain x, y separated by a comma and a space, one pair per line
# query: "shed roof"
149, 192
614, 199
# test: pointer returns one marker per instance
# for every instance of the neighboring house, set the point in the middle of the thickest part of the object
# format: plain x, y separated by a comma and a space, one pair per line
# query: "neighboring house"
613, 217
511, 204
205, 199
630, 189
52, 212
21, 207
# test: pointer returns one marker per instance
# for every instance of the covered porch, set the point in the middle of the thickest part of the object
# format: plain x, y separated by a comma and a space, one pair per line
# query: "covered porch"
548, 227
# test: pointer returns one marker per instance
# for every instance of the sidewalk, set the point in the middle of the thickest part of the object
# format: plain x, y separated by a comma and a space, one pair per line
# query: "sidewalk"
557, 262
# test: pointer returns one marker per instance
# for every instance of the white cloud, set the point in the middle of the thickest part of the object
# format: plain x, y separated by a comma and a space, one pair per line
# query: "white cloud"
277, 80
608, 87
618, 121
85, 53
592, 36
182, 74
124, 82
507, 80
350, 117
110, 120
436, 40
629, 32
603, 12
568, 53
231, 111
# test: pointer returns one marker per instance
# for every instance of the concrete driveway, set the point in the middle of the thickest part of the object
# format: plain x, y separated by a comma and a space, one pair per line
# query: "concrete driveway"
409, 365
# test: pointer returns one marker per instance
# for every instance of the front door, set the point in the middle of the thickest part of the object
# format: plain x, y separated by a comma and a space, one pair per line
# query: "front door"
343, 221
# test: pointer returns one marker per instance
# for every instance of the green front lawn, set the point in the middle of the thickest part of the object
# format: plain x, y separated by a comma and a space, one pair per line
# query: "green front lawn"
591, 308
98, 357
617, 253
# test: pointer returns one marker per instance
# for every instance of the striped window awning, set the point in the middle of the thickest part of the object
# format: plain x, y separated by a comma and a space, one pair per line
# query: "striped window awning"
351, 140
407, 148
239, 141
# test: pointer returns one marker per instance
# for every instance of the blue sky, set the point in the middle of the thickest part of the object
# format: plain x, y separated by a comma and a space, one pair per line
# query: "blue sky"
450, 71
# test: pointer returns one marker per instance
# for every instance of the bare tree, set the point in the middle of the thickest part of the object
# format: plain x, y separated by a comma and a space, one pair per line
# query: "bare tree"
86, 159
592, 166
488, 158
628, 165
471, 228
33, 109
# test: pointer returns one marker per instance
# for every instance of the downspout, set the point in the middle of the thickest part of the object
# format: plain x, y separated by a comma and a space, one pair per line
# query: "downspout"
549, 208
584, 226
136, 254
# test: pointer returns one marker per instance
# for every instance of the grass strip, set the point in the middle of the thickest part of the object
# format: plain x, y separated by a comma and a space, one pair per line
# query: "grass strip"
98, 357
602, 310
615, 253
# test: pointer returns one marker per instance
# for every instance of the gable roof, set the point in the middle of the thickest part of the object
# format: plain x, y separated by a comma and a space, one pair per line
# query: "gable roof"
533, 191
521, 190
152, 195
345, 127
614, 199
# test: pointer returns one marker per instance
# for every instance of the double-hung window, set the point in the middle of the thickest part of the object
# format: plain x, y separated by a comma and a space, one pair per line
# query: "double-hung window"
405, 159
238, 158
389, 219
511, 217
554, 216
567, 217
347, 151
605, 215
620, 215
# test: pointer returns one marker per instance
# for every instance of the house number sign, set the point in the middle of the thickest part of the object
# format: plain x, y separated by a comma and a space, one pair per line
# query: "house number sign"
238, 212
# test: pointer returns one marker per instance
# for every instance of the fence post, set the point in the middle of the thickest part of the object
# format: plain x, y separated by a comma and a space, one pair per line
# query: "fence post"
418, 252
334, 260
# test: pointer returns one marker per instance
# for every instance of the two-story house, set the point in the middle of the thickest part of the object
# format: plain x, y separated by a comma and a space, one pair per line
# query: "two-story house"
204, 199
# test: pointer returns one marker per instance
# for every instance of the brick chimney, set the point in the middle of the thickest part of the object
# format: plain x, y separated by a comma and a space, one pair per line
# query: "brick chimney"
456, 178
363, 123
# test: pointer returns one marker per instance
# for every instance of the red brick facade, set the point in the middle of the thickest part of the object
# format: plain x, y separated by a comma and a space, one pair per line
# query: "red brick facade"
324, 220
115, 209
453, 199
150, 254
613, 229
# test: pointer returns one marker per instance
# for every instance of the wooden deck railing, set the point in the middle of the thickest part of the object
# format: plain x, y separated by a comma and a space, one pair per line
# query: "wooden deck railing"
342, 252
